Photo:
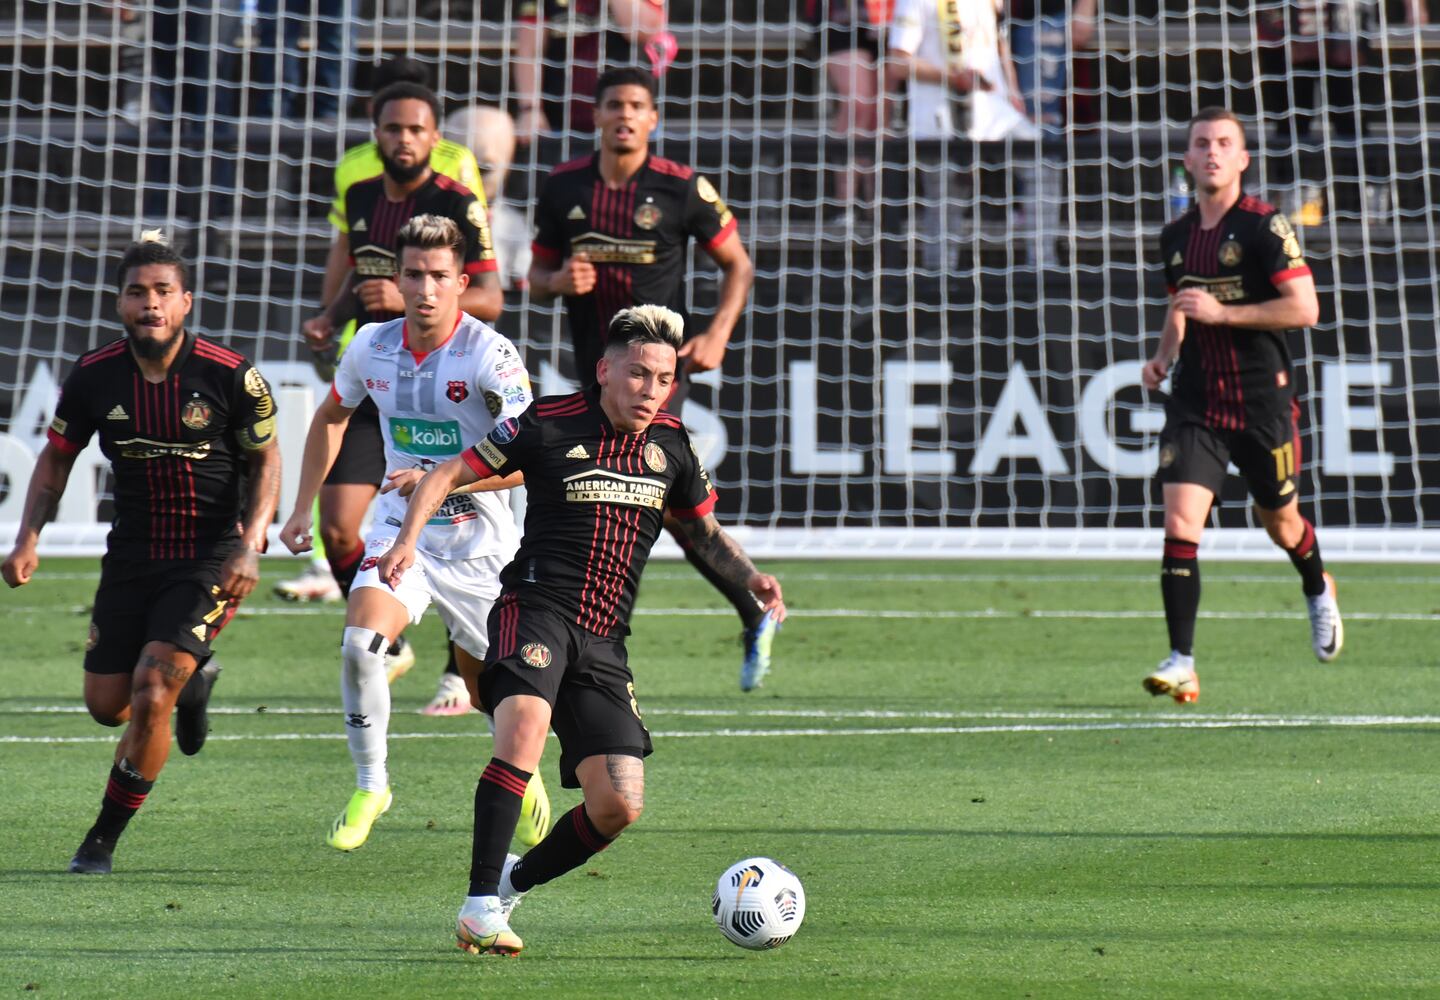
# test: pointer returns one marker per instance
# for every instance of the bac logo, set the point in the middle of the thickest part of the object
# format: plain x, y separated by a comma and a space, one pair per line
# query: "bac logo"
369, 562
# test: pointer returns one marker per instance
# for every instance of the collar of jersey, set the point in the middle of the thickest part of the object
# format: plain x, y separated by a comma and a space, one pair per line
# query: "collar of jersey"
420, 356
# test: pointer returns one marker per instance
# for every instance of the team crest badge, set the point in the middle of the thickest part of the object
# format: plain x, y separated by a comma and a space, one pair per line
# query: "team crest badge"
536, 654
655, 457
456, 392
1230, 253
255, 384
1167, 456
196, 414
493, 403
647, 216
93, 639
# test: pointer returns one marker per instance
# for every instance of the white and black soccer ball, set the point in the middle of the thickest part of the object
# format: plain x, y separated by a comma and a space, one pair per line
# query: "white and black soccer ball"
759, 903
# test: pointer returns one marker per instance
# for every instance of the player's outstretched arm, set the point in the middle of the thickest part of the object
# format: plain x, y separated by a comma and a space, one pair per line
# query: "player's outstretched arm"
438, 483
404, 481
322, 444
724, 555
241, 571
42, 503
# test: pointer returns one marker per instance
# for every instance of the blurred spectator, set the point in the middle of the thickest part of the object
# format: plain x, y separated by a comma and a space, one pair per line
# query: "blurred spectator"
959, 53
1041, 51
847, 35
319, 25
191, 74
560, 47
490, 135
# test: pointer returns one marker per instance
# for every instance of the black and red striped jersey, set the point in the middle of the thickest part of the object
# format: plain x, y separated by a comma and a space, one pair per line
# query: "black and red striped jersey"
1227, 376
176, 447
595, 502
374, 220
637, 236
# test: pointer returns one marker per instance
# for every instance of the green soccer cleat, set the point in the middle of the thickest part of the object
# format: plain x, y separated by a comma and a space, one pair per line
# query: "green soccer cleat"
534, 813
352, 827
757, 652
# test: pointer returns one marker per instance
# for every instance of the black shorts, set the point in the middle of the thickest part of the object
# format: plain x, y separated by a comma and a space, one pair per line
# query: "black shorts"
362, 450
831, 39
1268, 456
536, 650
164, 600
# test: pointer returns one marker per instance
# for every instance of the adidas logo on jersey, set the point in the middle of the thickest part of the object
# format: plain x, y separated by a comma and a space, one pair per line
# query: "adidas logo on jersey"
360, 227
198, 632
577, 452
118, 413
1177, 260
576, 213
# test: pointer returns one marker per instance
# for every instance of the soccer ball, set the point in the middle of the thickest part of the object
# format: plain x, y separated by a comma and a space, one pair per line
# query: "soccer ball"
759, 903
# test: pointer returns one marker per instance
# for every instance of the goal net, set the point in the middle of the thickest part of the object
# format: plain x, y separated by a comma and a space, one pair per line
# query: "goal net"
942, 351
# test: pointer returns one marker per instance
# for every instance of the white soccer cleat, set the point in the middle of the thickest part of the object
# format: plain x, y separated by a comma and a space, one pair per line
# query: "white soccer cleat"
1176, 677
398, 660
1327, 631
509, 896
482, 928
315, 584
452, 697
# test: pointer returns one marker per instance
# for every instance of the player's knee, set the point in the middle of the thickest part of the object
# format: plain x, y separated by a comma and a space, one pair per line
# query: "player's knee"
362, 651
613, 813
1179, 526
108, 715
151, 701
338, 539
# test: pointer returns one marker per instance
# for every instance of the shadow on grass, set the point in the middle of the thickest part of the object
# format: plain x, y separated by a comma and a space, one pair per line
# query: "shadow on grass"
1219, 835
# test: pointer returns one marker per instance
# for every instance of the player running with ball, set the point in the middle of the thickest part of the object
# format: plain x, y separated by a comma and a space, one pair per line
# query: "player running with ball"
601, 468
439, 377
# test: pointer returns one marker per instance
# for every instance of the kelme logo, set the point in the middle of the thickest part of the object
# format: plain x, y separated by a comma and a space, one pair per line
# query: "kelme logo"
425, 437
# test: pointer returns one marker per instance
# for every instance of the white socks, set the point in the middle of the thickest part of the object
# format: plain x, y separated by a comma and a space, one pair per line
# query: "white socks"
365, 692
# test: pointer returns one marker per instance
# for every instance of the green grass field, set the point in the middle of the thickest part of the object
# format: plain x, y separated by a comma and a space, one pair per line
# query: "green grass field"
956, 758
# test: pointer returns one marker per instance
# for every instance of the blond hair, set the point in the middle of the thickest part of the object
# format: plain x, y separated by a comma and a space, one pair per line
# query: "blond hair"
647, 324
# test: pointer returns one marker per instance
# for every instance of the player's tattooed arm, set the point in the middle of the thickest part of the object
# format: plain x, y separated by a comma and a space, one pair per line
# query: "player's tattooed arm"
718, 550
241, 572
627, 776
725, 556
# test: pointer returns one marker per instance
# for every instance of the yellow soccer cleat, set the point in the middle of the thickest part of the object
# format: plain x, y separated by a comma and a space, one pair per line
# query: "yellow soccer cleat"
352, 827
399, 659
534, 813
482, 928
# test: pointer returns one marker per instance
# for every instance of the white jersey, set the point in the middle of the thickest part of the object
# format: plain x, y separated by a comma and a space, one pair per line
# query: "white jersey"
432, 407
957, 34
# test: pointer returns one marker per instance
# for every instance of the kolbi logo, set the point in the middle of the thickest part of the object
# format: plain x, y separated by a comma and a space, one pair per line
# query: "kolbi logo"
425, 437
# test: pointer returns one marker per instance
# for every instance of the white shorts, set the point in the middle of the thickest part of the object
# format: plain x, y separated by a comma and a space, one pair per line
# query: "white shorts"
462, 589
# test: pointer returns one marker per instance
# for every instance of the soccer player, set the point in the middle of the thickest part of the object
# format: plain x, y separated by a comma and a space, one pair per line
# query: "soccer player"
612, 230
406, 117
360, 163
189, 428
437, 378
599, 466
1239, 285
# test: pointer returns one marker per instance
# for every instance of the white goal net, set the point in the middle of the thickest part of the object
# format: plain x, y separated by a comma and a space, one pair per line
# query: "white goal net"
943, 348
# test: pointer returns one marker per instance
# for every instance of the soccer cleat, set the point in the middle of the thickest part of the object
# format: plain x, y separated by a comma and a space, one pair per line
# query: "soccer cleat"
757, 652
483, 929
352, 827
509, 896
192, 720
534, 813
1176, 677
1327, 631
451, 697
315, 584
399, 659
94, 857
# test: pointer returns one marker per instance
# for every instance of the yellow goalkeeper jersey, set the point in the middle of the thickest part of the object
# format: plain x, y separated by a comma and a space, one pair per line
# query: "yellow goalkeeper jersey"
363, 162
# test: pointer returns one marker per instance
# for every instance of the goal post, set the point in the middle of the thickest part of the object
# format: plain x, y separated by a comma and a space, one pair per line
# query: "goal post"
941, 356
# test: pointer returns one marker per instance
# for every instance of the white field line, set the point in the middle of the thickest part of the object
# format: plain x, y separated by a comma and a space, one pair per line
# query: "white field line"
880, 613
1170, 724
1120, 715
859, 577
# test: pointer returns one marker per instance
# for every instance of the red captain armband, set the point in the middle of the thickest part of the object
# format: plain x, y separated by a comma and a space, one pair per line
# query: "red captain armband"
695, 513
62, 443
723, 234
1289, 274
476, 463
